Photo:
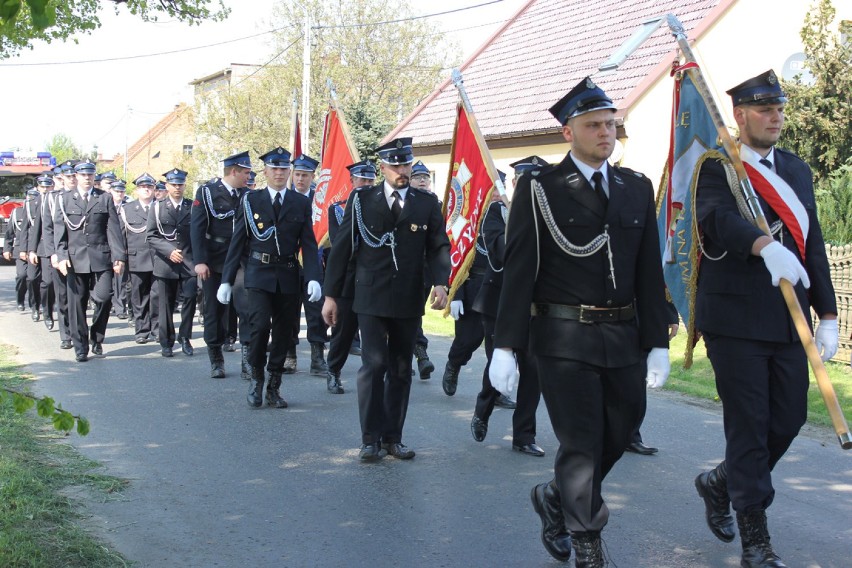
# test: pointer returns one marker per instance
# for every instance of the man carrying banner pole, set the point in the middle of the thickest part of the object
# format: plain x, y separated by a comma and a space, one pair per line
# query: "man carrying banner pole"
583, 259
760, 365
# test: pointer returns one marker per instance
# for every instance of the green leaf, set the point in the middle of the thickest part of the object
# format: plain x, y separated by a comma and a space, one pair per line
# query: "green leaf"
63, 420
42, 14
45, 407
9, 10
22, 403
82, 426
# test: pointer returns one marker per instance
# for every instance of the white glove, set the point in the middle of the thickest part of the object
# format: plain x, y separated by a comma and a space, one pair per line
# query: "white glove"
456, 309
314, 291
781, 263
825, 339
223, 294
503, 371
658, 367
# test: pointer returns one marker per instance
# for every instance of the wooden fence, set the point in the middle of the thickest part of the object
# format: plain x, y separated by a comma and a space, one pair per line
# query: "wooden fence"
840, 263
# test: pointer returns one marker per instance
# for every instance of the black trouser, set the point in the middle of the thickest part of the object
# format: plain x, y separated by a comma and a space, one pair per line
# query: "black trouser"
80, 286
387, 345
764, 392
21, 282
317, 328
142, 301
168, 291
119, 290
34, 284
270, 313
342, 335
238, 322
593, 411
47, 293
468, 328
420, 338
60, 286
215, 312
529, 392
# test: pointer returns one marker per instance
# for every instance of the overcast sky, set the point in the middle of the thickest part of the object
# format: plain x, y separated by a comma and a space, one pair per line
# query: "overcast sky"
89, 102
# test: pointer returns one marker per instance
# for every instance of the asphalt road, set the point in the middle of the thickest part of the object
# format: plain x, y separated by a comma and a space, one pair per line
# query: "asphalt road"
216, 483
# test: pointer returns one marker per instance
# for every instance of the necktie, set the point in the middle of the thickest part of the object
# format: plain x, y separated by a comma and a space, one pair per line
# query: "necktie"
396, 207
86, 196
597, 178
276, 205
766, 163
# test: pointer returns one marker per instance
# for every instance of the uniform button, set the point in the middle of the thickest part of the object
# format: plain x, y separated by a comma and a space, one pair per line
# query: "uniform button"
609, 302
571, 220
635, 221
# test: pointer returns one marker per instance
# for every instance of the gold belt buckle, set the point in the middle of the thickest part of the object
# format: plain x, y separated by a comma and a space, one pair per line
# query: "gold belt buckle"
583, 309
264, 257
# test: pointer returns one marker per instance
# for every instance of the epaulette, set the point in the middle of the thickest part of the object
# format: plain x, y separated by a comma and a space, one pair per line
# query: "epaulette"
423, 192
542, 171
640, 175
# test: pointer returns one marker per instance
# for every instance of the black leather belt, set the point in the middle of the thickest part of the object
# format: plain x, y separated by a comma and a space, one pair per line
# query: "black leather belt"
583, 314
216, 239
267, 258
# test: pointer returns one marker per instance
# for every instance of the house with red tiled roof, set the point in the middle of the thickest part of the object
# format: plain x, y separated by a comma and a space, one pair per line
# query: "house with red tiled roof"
548, 46
167, 144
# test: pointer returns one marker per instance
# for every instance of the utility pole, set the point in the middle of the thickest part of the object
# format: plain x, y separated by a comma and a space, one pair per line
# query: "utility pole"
126, 128
306, 83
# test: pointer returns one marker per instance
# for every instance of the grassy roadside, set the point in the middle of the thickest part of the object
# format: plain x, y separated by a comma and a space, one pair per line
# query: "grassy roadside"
38, 522
698, 381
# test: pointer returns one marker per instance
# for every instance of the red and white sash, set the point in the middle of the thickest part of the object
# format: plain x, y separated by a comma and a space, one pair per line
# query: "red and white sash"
779, 195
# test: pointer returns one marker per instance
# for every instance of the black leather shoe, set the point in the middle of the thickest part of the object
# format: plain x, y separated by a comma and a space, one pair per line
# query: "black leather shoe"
22, 308
166, 352
122, 315
641, 449
332, 383
142, 340
529, 449
97, 348
504, 401
290, 362
555, 538
35, 314
450, 381
48, 323
371, 453
712, 488
355, 350
398, 450
229, 345
66, 344
478, 427
186, 346
82, 357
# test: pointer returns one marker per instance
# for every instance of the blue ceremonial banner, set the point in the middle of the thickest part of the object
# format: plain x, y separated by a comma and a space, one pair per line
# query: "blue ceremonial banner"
692, 135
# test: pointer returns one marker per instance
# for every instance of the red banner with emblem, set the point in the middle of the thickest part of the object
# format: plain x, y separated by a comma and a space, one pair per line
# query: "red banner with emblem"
467, 196
333, 185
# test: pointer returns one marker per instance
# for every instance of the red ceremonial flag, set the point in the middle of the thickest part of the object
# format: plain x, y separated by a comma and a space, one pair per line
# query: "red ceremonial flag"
467, 196
333, 185
295, 129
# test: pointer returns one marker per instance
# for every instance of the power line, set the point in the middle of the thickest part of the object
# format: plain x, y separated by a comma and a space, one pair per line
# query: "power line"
423, 17
276, 56
144, 55
216, 44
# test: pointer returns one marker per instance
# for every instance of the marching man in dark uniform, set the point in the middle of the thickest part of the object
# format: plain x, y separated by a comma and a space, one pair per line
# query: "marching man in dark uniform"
760, 365
271, 227
395, 227
15, 247
48, 226
168, 233
117, 189
35, 276
493, 242
303, 176
89, 248
212, 226
361, 174
583, 259
39, 255
140, 260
